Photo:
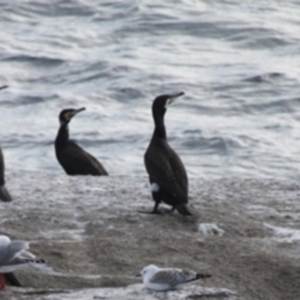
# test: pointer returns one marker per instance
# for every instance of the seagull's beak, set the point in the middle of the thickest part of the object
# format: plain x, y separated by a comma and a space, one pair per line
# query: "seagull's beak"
173, 97
138, 275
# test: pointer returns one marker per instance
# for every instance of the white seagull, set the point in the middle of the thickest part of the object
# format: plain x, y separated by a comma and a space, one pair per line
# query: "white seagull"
13, 256
164, 279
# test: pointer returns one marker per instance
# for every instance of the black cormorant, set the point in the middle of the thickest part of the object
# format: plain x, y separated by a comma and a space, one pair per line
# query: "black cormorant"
167, 175
4, 194
73, 159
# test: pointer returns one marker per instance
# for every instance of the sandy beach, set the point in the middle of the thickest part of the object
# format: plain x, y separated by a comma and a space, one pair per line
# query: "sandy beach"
90, 233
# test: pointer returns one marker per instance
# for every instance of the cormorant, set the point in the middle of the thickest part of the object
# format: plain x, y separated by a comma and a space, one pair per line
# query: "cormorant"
167, 175
73, 159
4, 194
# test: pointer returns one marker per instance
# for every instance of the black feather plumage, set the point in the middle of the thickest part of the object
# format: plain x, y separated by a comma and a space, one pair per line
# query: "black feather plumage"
73, 159
164, 166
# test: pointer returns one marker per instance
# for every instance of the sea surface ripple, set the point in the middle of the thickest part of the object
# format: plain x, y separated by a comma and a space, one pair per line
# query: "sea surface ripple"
237, 62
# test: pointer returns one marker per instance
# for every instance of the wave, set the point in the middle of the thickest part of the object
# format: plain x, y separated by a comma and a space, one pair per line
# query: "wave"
42, 61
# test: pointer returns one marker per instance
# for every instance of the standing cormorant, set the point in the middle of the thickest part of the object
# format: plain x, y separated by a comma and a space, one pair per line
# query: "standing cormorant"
4, 194
167, 175
73, 159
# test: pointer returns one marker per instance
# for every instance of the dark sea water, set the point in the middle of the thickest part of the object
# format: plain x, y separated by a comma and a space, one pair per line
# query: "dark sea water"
238, 63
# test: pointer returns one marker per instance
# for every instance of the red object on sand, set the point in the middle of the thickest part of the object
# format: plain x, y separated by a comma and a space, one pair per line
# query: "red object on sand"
2, 282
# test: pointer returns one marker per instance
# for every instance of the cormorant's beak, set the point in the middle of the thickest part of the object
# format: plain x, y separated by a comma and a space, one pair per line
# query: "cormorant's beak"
76, 111
173, 97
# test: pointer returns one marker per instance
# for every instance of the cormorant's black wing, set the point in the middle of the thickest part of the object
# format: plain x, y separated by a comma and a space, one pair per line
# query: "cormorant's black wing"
2, 181
77, 161
167, 170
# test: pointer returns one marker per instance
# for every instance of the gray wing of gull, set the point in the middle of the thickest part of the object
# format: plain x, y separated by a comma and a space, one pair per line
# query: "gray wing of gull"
15, 253
173, 277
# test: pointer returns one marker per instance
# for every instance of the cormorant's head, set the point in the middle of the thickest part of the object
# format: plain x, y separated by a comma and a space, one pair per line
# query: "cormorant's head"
66, 115
161, 103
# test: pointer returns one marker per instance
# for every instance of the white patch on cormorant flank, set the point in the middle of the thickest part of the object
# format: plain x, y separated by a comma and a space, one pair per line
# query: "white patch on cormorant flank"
284, 234
154, 187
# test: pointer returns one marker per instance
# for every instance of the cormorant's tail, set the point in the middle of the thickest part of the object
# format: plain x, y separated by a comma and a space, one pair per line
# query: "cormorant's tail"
12, 279
184, 209
4, 194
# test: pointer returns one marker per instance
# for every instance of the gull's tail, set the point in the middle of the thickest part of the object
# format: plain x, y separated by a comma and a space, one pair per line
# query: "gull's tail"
34, 261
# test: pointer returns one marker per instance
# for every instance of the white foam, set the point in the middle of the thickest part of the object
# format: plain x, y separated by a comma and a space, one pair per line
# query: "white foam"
282, 234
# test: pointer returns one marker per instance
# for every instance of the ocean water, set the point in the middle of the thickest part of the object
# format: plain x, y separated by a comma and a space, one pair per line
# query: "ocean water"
238, 63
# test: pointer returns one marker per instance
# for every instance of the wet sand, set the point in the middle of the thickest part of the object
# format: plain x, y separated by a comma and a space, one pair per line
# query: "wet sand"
90, 233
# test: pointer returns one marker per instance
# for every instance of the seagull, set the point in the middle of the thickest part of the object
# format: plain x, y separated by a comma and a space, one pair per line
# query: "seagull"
13, 256
164, 279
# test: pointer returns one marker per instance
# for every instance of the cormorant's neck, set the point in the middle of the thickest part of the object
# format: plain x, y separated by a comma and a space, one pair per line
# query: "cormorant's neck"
62, 135
160, 129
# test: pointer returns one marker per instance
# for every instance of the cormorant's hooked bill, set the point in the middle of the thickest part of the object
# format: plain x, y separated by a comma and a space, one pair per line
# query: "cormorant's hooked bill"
173, 97
66, 115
